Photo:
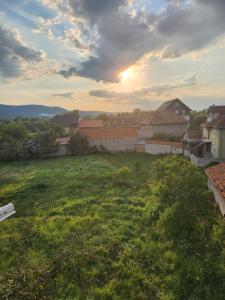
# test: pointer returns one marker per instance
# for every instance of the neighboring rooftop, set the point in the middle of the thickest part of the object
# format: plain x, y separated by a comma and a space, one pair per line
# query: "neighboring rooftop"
217, 109
62, 141
91, 124
109, 133
68, 120
216, 175
166, 105
218, 122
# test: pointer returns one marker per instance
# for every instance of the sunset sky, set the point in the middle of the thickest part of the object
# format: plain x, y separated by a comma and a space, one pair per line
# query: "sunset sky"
112, 55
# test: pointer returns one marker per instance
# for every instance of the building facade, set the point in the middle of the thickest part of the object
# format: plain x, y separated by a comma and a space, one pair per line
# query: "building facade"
121, 139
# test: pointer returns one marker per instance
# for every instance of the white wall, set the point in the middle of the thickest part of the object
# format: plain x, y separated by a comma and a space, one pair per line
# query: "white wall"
146, 132
156, 149
115, 145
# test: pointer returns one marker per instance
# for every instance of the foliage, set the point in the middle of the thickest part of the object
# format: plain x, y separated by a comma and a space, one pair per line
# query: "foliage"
79, 145
27, 138
122, 226
198, 118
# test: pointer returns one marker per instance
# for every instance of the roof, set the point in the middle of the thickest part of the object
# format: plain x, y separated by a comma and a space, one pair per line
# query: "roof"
163, 117
169, 143
109, 133
217, 109
91, 123
62, 141
218, 122
166, 104
194, 134
70, 119
216, 175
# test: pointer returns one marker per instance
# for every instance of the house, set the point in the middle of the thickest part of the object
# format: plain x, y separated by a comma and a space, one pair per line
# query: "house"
156, 147
171, 119
216, 183
214, 131
193, 143
91, 124
112, 139
207, 144
68, 121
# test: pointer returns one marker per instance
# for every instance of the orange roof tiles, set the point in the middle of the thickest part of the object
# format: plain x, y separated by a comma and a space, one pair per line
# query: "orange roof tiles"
91, 124
109, 133
216, 175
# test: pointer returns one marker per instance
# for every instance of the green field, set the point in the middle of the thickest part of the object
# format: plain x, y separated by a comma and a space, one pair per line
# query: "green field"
110, 227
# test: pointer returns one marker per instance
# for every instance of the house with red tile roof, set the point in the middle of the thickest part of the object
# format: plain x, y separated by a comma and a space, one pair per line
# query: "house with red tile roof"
91, 124
112, 139
216, 183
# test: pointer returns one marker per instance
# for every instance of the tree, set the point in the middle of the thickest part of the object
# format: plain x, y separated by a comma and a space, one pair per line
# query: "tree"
78, 145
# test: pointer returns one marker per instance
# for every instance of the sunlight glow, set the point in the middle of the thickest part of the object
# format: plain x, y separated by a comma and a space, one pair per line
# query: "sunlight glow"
125, 75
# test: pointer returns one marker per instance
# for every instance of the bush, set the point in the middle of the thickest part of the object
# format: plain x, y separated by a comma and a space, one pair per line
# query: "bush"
79, 145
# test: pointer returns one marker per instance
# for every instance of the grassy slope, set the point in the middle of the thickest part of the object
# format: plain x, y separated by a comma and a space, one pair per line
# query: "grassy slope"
88, 203
93, 227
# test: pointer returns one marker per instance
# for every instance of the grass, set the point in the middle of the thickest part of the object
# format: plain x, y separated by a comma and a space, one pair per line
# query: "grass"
105, 227
92, 203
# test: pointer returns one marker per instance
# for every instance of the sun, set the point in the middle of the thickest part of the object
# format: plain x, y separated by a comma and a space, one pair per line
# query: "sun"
125, 75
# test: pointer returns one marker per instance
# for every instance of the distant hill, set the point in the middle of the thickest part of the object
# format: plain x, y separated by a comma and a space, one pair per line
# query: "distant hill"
29, 111
37, 111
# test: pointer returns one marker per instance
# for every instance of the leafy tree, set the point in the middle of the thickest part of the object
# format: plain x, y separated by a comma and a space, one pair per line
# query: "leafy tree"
197, 118
78, 145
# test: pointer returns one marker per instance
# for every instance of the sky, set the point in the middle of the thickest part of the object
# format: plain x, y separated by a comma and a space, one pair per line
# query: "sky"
112, 55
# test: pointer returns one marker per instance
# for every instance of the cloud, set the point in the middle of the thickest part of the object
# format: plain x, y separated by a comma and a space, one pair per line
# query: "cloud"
64, 95
158, 90
14, 54
93, 10
125, 38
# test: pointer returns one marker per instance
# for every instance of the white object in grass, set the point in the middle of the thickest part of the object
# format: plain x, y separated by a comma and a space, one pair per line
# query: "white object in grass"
6, 211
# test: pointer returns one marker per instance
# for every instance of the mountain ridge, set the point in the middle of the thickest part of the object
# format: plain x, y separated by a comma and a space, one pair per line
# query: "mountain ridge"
37, 111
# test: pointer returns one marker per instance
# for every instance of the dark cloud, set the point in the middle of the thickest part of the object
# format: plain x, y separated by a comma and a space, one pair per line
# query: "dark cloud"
160, 89
14, 53
124, 39
92, 10
191, 27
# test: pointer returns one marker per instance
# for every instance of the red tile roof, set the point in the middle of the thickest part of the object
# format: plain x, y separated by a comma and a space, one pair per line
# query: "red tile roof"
91, 124
216, 175
169, 143
109, 133
164, 117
